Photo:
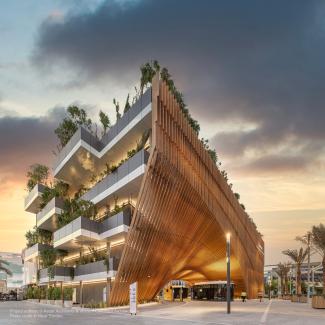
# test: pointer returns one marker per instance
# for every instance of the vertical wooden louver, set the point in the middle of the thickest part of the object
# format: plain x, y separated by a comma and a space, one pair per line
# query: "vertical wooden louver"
184, 209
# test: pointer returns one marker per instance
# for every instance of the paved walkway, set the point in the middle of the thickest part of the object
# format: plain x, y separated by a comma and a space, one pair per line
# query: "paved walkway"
276, 312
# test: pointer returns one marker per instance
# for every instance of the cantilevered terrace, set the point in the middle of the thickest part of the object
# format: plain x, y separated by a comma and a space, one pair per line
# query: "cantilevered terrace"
85, 153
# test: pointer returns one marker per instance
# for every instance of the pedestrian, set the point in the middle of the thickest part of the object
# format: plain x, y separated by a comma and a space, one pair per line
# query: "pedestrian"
243, 296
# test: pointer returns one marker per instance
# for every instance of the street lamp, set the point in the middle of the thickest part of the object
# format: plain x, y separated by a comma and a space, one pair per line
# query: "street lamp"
228, 272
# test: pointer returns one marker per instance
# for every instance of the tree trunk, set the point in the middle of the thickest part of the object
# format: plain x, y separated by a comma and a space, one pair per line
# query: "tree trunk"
298, 279
286, 284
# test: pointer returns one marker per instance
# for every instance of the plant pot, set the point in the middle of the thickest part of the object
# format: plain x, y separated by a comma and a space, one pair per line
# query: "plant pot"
302, 299
68, 303
318, 302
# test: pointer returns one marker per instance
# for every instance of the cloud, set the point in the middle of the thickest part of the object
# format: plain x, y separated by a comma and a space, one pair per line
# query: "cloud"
249, 62
25, 141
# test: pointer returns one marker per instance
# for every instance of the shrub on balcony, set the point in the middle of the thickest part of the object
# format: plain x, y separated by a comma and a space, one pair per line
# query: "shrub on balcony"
75, 118
38, 236
74, 208
58, 189
37, 174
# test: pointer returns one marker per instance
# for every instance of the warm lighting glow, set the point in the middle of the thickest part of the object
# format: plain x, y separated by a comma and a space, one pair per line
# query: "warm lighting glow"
228, 237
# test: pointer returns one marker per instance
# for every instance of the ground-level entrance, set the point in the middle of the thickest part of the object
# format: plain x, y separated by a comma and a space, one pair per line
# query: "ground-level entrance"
212, 290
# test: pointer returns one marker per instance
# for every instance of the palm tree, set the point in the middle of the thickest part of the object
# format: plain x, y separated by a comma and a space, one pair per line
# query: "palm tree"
298, 256
286, 270
318, 240
3, 268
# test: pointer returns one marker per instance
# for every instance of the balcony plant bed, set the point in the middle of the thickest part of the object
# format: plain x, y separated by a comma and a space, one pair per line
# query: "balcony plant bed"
299, 298
318, 302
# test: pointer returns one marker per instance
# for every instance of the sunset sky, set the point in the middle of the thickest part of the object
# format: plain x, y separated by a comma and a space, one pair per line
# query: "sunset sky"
252, 73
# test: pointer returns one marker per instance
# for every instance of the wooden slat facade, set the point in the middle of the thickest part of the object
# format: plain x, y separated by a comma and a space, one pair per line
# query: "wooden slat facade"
184, 209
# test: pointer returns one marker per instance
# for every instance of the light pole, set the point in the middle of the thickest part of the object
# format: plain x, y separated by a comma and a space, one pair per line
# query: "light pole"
308, 274
228, 273
270, 283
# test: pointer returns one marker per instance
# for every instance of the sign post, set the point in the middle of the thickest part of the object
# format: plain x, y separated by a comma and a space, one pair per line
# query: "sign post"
133, 298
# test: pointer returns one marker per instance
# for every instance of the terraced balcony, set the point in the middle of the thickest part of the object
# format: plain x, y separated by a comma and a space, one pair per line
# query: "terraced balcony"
96, 270
33, 199
84, 152
57, 273
46, 219
84, 232
123, 183
34, 251
81, 231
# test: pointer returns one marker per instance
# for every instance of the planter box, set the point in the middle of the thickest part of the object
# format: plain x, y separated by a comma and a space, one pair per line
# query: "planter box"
51, 302
43, 301
318, 302
287, 297
68, 303
58, 302
302, 299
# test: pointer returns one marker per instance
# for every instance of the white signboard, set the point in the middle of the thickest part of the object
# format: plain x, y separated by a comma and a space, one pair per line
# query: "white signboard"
133, 298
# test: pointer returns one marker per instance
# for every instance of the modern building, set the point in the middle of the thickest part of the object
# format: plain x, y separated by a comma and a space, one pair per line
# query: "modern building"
316, 276
14, 281
164, 211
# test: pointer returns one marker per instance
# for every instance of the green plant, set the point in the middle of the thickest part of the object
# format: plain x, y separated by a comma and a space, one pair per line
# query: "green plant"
298, 257
105, 121
37, 174
127, 105
96, 255
76, 117
30, 293
117, 109
42, 293
51, 271
36, 293
49, 292
74, 208
56, 293
59, 189
318, 241
48, 257
68, 293
38, 236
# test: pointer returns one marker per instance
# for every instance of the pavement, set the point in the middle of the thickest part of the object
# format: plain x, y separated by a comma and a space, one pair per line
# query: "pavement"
252, 312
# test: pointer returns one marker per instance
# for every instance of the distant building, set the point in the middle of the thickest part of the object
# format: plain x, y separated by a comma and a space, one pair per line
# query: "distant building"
15, 281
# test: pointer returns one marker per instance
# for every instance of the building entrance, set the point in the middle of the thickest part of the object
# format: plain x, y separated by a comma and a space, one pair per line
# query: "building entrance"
212, 290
